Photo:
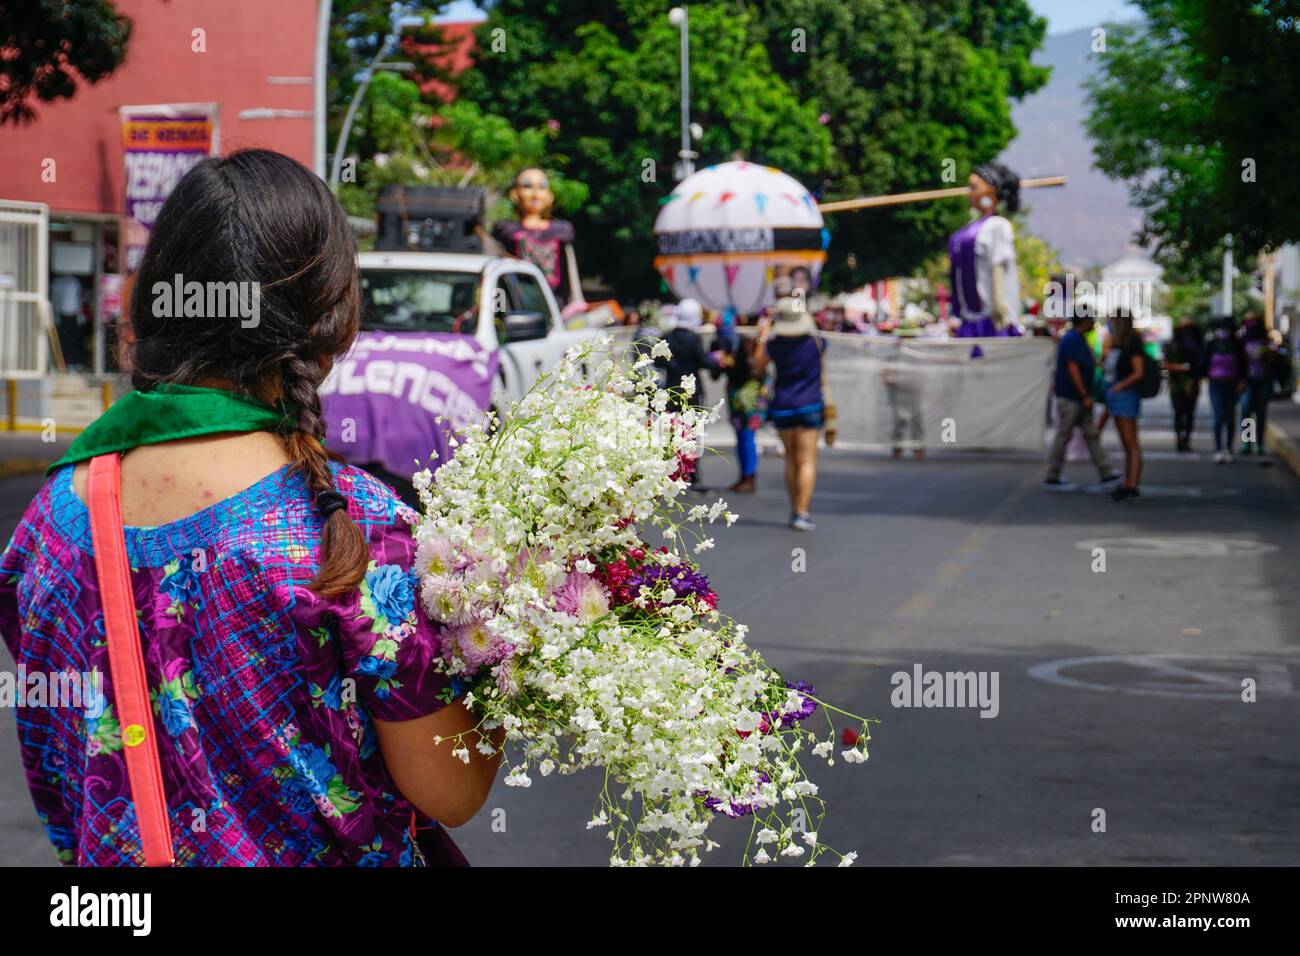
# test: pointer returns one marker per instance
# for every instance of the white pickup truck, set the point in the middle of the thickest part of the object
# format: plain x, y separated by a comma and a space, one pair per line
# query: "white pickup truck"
503, 303
445, 337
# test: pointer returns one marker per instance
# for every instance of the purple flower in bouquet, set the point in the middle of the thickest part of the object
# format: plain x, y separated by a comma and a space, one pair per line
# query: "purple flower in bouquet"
683, 579
769, 720
735, 808
806, 709
507, 676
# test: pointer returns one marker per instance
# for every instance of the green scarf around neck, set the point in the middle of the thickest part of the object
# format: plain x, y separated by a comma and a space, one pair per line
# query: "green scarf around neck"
169, 412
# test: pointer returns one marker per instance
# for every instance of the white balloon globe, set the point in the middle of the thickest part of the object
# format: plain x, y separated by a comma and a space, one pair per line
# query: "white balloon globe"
727, 231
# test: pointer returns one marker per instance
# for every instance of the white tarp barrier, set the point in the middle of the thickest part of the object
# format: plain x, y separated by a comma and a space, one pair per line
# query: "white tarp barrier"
911, 392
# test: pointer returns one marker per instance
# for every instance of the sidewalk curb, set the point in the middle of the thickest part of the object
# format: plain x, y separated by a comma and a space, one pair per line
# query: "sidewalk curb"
1284, 446
23, 467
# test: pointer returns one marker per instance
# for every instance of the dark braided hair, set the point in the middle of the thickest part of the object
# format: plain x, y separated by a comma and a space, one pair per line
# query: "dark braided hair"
259, 216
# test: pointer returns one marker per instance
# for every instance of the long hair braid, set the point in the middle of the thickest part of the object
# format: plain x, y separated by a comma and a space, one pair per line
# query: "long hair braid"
344, 554
264, 219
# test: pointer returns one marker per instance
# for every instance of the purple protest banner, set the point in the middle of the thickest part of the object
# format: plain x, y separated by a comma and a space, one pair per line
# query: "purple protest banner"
382, 400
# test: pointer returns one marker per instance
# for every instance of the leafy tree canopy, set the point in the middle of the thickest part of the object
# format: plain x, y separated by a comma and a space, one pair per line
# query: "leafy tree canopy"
400, 139
51, 44
852, 97
610, 84
1195, 107
915, 95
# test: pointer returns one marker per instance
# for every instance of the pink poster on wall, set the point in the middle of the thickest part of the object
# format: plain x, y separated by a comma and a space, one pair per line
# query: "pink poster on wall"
160, 145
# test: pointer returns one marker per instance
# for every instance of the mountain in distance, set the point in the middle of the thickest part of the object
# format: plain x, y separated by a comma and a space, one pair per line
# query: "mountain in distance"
1089, 220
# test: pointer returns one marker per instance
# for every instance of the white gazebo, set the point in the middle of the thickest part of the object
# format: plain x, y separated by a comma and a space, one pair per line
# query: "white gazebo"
1131, 282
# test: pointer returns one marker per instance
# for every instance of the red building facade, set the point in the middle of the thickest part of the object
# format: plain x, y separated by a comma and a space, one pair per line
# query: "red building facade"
251, 61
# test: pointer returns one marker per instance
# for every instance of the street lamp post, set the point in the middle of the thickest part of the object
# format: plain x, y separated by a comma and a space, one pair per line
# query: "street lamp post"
345, 131
678, 18
318, 86
1227, 275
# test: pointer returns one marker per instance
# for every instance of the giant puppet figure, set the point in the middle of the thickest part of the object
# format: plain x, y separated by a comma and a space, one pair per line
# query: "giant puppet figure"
982, 257
539, 239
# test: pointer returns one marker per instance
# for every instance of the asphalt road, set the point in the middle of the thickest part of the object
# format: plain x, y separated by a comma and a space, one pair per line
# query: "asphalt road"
962, 563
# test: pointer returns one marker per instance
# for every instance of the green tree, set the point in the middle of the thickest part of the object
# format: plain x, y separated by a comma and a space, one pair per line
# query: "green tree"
914, 94
1195, 107
399, 139
892, 87
358, 29
605, 77
51, 44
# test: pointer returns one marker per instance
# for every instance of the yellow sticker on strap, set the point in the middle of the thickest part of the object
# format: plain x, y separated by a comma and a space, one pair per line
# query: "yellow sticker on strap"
133, 735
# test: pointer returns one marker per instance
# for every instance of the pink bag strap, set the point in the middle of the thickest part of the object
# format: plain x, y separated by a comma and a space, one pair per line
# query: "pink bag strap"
126, 661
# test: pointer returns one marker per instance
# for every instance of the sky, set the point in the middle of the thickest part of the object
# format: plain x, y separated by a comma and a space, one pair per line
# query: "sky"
462, 10
1062, 15
1065, 15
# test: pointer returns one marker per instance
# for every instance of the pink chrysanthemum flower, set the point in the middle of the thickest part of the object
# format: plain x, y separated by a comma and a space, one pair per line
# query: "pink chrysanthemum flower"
582, 596
476, 645
436, 556
445, 599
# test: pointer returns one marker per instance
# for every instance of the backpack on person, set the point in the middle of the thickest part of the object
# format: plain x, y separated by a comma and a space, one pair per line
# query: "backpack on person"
1149, 387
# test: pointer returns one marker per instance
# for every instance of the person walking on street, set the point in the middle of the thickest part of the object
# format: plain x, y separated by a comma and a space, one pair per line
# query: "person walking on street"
787, 339
1258, 383
744, 402
1072, 388
903, 389
686, 357
1124, 362
1224, 364
1183, 360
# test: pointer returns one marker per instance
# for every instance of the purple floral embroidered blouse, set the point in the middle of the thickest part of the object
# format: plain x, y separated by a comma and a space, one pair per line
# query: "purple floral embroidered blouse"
263, 693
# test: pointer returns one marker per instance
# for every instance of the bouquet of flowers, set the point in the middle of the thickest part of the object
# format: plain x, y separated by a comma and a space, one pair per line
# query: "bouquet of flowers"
594, 647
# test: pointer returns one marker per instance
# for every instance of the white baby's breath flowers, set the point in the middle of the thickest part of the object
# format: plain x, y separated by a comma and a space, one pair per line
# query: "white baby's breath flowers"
655, 686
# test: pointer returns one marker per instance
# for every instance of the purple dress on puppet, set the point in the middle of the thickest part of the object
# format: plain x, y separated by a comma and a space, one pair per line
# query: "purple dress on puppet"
537, 238
974, 252
546, 248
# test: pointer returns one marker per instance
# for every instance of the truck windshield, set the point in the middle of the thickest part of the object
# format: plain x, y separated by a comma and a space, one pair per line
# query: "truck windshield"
397, 300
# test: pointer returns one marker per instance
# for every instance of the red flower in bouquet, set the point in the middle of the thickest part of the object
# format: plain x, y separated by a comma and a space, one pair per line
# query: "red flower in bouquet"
615, 576
685, 468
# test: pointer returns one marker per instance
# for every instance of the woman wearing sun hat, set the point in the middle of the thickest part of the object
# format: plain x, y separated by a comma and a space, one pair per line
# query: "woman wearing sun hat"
797, 407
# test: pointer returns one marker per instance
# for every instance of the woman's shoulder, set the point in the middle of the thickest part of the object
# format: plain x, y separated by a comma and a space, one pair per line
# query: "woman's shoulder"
372, 503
